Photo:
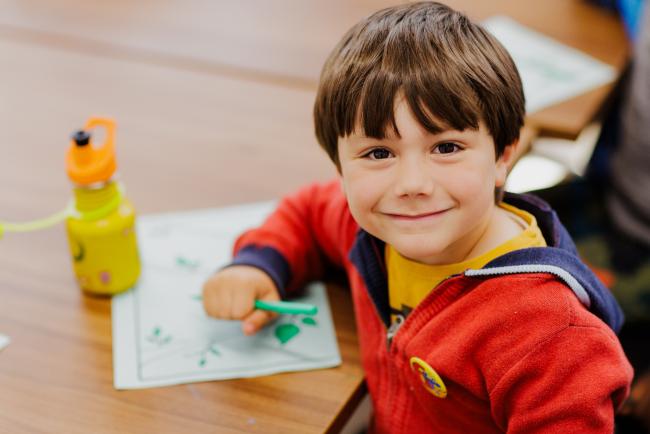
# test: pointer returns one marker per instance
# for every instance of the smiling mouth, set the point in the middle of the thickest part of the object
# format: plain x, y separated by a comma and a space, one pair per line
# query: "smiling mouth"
416, 217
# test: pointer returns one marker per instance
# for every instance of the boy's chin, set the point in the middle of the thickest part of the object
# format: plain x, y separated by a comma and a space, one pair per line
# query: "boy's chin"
422, 254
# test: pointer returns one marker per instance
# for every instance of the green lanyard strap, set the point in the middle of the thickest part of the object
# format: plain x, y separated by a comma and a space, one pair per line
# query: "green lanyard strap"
69, 212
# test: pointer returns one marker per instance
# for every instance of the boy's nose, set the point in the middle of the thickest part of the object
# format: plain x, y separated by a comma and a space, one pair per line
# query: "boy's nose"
414, 178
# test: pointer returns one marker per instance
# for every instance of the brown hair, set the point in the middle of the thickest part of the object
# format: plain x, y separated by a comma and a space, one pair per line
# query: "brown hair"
451, 72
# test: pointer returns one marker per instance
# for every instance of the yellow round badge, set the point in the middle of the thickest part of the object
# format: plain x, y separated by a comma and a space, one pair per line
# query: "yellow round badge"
430, 378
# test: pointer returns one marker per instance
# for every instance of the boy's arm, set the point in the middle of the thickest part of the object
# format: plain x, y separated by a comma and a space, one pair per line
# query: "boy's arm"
571, 383
309, 230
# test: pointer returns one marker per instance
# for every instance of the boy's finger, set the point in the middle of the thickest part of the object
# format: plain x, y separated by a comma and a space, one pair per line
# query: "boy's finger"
219, 304
241, 305
209, 301
255, 321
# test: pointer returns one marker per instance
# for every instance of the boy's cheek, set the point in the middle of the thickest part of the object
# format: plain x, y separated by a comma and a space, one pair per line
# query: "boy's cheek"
362, 195
471, 181
357, 183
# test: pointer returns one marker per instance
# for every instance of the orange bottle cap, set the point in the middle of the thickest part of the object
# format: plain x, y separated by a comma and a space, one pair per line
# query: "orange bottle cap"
87, 164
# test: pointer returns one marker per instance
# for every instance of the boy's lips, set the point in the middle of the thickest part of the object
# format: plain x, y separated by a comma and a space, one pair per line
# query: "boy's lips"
416, 217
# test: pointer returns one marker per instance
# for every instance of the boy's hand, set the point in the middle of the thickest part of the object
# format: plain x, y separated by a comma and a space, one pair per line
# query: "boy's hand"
231, 294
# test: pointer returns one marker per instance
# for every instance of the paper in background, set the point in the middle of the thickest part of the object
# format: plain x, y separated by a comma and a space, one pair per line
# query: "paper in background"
550, 71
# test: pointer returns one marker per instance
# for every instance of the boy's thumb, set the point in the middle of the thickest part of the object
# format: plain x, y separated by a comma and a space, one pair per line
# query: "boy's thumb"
256, 320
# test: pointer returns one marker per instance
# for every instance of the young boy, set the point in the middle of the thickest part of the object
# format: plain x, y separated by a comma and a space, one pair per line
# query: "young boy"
474, 314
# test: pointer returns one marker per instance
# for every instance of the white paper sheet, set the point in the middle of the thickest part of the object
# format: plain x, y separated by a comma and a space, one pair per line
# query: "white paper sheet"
550, 71
4, 341
161, 335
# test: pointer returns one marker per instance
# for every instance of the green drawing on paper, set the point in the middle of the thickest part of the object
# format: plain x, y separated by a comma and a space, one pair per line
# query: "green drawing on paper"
309, 321
286, 332
163, 336
159, 338
203, 355
187, 263
548, 70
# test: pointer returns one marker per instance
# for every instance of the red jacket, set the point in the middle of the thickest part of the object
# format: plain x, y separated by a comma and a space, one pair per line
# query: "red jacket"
523, 345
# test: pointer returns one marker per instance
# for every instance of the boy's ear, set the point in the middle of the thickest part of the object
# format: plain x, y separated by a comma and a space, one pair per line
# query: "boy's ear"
505, 162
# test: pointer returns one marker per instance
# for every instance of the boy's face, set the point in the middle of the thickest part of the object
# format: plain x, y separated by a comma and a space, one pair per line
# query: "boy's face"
430, 196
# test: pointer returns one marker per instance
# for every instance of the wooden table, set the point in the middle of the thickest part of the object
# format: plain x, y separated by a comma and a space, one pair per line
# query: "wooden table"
285, 42
213, 105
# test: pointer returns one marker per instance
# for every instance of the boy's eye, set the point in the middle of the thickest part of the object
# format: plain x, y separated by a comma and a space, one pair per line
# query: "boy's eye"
378, 154
446, 148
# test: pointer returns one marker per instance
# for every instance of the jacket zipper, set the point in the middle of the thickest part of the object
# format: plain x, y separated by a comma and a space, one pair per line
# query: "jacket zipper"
392, 330
399, 319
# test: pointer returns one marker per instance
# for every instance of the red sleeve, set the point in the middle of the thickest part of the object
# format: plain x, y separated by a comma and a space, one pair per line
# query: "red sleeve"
308, 231
570, 383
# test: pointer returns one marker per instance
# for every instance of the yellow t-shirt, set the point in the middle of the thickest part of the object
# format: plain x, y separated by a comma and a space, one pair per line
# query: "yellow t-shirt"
409, 282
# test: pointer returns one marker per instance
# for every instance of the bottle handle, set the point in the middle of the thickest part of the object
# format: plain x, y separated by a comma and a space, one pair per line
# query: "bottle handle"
108, 125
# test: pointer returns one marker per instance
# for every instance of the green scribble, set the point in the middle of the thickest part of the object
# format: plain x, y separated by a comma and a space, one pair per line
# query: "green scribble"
309, 321
197, 297
187, 263
157, 337
205, 353
549, 70
286, 332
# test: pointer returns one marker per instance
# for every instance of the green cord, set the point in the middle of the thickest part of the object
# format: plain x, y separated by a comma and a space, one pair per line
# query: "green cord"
35, 225
69, 211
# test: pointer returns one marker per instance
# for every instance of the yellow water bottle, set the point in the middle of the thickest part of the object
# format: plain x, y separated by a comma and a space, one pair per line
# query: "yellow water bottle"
101, 228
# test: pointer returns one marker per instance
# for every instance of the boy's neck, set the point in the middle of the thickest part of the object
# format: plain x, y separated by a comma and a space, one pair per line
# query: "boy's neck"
497, 228
500, 228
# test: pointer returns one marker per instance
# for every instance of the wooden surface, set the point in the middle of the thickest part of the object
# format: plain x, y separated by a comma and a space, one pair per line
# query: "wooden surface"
213, 106
285, 42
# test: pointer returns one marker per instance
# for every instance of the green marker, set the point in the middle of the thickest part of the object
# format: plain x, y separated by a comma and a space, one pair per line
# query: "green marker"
288, 307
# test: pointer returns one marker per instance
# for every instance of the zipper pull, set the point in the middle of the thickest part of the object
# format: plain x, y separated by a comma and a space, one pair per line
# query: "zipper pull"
392, 330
